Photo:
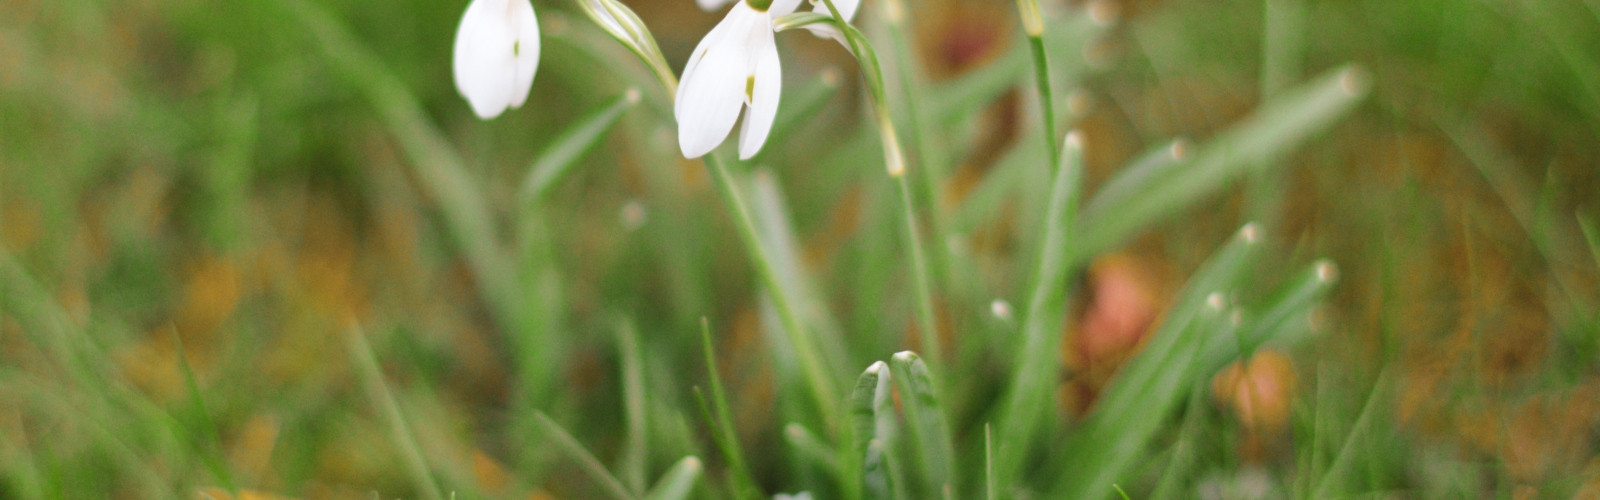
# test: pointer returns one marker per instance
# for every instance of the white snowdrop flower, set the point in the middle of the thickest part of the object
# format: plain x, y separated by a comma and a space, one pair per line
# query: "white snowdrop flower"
847, 8
496, 55
734, 67
710, 5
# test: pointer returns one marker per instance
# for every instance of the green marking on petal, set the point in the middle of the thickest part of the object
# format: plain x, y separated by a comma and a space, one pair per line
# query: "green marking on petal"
759, 5
750, 88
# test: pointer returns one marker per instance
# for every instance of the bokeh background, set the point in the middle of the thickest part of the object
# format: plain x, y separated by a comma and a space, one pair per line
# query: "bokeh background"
201, 202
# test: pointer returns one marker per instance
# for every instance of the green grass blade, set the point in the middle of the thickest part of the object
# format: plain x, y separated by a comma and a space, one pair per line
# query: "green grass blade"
1591, 235
1328, 484
721, 421
1133, 180
378, 391
1275, 128
813, 449
586, 460
207, 440
925, 417
578, 139
634, 449
1136, 402
989, 492
1291, 303
800, 106
1028, 397
678, 482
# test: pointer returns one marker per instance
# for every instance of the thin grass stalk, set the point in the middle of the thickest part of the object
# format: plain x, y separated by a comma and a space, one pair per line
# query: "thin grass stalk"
931, 158
372, 381
1029, 393
1033, 26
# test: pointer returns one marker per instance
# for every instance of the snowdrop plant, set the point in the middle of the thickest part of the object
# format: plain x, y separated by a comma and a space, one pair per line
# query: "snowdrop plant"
496, 55
734, 67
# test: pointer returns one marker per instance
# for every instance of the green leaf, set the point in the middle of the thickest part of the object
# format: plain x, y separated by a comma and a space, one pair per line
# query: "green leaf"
634, 449
372, 381
1292, 303
678, 482
1273, 130
872, 417
925, 416
563, 153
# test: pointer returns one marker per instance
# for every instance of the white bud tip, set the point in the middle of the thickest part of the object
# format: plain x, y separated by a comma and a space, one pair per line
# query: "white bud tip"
633, 96
1353, 81
1179, 150
830, 77
1250, 232
877, 366
1102, 12
693, 463
897, 169
1075, 139
1327, 272
1001, 309
905, 356
794, 430
1215, 301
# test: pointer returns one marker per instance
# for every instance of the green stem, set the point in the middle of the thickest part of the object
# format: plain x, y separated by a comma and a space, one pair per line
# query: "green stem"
822, 387
894, 160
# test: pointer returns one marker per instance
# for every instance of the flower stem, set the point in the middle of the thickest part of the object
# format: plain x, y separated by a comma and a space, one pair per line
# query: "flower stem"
822, 386
895, 162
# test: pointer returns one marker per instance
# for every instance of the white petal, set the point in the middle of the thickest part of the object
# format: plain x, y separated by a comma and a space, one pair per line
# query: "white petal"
493, 66
847, 8
712, 91
766, 88
526, 27
782, 7
711, 5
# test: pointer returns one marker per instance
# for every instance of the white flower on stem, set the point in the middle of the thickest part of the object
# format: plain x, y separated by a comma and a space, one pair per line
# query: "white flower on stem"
496, 55
847, 8
734, 67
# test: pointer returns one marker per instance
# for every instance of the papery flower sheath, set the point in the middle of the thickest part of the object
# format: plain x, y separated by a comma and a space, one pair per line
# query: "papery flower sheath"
496, 55
734, 67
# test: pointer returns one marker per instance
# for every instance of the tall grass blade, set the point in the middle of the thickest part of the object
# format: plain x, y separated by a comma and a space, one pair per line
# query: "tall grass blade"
1028, 398
377, 390
565, 150
678, 482
635, 441
1327, 486
575, 450
207, 440
721, 421
872, 418
1136, 402
1292, 303
1273, 130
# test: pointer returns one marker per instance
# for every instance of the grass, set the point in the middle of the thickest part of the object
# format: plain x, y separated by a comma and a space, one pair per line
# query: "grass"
197, 206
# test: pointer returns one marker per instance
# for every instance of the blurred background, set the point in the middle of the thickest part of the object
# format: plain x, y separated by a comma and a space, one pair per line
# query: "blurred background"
202, 203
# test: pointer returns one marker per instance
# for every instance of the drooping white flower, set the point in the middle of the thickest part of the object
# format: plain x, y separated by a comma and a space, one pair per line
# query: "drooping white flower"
734, 67
847, 8
496, 55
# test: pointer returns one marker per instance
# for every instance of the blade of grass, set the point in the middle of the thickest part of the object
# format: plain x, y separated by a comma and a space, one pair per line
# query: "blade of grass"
634, 445
925, 416
207, 439
678, 482
813, 449
721, 421
988, 463
1136, 401
377, 390
1326, 486
575, 450
1293, 301
1028, 397
578, 139
1274, 129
